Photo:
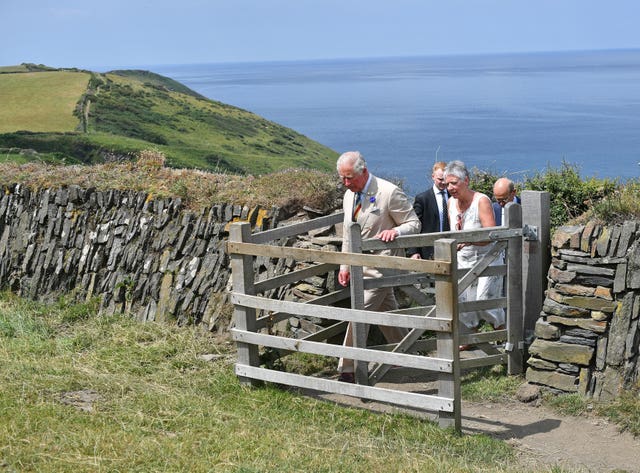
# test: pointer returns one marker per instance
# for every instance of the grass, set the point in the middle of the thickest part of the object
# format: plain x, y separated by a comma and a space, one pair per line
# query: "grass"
82, 392
490, 384
28, 104
624, 411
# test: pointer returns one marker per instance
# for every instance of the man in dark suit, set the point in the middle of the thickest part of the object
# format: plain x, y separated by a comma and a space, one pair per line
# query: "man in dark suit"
504, 191
431, 208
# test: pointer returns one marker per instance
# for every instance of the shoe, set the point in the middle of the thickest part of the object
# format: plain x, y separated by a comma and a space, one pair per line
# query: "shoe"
347, 378
464, 347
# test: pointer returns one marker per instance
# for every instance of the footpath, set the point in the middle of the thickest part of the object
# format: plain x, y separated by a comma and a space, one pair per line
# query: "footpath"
585, 444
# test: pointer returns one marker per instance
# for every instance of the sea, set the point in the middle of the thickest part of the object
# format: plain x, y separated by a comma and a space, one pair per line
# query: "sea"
509, 114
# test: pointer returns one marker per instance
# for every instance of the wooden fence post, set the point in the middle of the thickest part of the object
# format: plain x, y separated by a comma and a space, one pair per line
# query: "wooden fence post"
243, 275
536, 256
359, 331
448, 342
515, 338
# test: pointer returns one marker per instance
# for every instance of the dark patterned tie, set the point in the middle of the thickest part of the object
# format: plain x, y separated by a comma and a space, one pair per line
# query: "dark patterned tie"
357, 205
444, 220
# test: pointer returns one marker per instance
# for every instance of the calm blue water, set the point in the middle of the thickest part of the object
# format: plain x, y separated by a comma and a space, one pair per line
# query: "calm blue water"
511, 114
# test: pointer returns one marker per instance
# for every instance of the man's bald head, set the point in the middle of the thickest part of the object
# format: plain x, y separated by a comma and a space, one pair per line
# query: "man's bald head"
504, 191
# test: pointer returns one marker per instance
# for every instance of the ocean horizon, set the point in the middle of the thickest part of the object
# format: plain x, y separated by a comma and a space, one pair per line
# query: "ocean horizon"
509, 114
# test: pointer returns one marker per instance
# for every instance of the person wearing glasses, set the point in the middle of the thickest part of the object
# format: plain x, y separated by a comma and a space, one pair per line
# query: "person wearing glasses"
504, 191
383, 211
470, 210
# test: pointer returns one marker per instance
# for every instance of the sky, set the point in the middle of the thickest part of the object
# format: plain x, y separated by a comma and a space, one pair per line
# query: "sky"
106, 34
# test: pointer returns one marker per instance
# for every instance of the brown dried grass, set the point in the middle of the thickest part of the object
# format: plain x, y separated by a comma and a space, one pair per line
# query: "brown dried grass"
292, 188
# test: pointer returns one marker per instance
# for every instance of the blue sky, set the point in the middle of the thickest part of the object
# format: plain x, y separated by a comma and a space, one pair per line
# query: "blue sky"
128, 33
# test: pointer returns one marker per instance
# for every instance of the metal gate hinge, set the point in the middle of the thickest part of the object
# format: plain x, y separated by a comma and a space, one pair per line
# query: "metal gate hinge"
530, 232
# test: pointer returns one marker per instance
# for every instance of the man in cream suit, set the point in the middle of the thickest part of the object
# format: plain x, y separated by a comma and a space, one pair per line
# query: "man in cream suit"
383, 211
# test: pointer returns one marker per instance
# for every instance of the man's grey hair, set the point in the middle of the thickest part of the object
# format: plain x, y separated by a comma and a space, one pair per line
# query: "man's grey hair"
458, 169
352, 157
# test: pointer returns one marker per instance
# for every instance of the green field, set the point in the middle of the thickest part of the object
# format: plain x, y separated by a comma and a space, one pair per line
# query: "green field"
40, 101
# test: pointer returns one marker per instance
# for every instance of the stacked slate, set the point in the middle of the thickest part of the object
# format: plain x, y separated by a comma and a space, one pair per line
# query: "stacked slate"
587, 334
137, 254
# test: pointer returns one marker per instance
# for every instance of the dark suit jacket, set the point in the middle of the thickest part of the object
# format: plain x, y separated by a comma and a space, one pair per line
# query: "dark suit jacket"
497, 211
426, 208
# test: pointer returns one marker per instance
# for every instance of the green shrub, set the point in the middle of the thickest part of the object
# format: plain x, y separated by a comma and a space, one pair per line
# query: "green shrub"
570, 195
572, 198
482, 181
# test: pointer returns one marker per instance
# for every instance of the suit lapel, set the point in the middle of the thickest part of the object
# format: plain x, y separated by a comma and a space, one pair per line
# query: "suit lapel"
367, 204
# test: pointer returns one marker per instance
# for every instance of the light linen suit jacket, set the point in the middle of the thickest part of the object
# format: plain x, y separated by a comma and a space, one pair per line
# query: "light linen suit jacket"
384, 206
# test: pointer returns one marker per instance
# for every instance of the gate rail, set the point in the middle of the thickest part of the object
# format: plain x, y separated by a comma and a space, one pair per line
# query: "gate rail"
441, 317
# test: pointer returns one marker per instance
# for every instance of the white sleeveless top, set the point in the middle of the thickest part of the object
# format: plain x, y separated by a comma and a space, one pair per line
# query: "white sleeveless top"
468, 255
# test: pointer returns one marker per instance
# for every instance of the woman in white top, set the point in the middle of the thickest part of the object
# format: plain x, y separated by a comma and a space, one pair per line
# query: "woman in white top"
468, 210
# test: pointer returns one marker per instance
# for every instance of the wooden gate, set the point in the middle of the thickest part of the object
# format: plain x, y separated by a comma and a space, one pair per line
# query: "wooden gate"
255, 311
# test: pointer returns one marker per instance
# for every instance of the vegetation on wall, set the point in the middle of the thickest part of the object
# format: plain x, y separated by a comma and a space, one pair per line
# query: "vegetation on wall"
292, 189
572, 197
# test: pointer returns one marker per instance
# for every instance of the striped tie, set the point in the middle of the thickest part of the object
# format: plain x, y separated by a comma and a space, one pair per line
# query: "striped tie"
357, 205
443, 212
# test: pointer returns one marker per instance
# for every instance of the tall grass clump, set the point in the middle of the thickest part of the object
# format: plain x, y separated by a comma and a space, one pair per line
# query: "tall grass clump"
620, 205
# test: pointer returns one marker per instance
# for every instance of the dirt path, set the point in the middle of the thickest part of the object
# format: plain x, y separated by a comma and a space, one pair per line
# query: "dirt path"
540, 435
578, 444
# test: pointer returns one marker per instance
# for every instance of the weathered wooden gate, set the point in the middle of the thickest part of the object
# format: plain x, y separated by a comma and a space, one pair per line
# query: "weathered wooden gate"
255, 311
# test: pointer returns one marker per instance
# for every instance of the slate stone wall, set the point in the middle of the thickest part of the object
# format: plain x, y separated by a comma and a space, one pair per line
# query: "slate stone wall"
587, 335
148, 256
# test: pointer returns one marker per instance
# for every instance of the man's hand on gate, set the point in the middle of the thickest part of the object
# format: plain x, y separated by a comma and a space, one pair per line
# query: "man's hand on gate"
387, 235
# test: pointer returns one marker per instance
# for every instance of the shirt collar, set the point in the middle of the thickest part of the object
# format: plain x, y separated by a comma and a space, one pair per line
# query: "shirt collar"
366, 186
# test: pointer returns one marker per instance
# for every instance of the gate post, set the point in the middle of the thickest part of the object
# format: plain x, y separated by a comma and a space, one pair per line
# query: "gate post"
536, 255
242, 276
513, 258
359, 331
448, 342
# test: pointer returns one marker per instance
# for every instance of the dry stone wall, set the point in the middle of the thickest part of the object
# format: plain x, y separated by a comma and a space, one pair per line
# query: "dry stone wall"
587, 335
147, 256
155, 259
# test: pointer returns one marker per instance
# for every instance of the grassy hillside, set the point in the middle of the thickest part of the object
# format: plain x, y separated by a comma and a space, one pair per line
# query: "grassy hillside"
85, 117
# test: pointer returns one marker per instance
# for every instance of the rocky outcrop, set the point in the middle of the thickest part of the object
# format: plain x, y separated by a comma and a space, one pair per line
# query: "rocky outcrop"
587, 335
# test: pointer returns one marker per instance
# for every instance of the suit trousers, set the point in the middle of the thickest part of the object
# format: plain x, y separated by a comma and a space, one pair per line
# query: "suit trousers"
381, 300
